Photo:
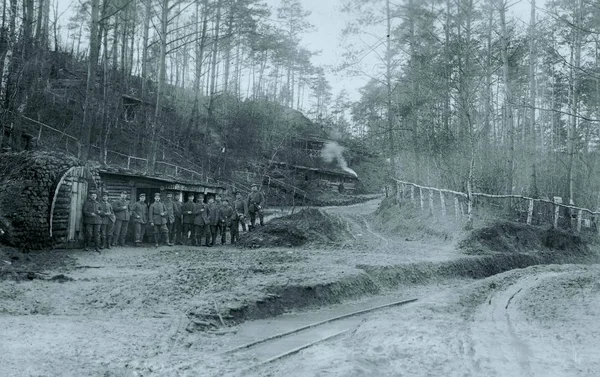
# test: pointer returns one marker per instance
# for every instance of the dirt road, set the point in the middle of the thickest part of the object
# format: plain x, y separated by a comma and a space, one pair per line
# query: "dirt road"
160, 312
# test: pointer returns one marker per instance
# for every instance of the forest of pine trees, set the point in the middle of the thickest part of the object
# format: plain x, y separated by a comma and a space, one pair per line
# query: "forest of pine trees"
456, 92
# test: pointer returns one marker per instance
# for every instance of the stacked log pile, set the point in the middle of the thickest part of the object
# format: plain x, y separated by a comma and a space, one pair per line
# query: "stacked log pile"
27, 184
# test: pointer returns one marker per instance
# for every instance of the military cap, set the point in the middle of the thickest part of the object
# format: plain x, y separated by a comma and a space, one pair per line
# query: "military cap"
105, 193
156, 194
191, 195
254, 185
142, 194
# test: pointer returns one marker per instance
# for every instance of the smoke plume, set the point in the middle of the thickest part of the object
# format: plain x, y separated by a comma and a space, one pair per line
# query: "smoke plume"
333, 151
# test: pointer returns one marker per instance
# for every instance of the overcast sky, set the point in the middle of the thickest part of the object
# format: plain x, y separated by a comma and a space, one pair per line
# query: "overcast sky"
329, 21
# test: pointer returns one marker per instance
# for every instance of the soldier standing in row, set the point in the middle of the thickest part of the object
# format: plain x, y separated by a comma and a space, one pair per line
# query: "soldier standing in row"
214, 218
108, 221
93, 221
122, 210
255, 202
201, 222
158, 220
188, 211
139, 213
241, 208
176, 236
170, 206
229, 219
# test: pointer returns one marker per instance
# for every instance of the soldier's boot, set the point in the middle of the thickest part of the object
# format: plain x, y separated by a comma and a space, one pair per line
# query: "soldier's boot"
122, 241
197, 241
169, 243
223, 240
86, 245
156, 240
109, 242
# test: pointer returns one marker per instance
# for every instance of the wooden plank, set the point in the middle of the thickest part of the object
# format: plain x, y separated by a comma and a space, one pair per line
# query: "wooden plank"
557, 200
579, 217
443, 203
73, 211
530, 212
456, 207
421, 198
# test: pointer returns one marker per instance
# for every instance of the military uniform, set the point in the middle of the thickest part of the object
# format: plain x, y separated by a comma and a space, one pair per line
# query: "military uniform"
220, 228
170, 205
176, 237
158, 219
241, 208
92, 221
229, 219
188, 209
122, 209
139, 213
108, 222
255, 202
201, 224
214, 218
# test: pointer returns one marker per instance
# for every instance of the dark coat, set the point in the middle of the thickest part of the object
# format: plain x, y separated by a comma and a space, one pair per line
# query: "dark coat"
170, 206
200, 214
122, 209
241, 207
255, 201
108, 216
158, 213
188, 209
139, 213
214, 214
177, 209
228, 215
91, 212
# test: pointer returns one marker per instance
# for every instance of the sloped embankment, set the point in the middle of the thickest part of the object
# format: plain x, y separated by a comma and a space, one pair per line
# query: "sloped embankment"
307, 226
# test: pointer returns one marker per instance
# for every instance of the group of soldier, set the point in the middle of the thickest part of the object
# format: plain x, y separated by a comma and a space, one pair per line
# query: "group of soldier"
171, 221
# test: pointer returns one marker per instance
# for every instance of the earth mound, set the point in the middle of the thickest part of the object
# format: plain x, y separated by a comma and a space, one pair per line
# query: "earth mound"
307, 226
509, 237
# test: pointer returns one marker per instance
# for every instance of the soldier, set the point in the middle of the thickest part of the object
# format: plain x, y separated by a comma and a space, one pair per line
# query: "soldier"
187, 209
139, 212
170, 205
200, 222
108, 221
122, 210
214, 218
158, 220
229, 219
241, 208
178, 219
255, 202
221, 229
92, 220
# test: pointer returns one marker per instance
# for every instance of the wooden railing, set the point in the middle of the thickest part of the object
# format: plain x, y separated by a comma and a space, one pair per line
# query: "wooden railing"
116, 158
408, 190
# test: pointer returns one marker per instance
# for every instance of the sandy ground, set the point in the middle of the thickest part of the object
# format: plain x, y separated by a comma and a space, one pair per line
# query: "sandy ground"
539, 321
130, 311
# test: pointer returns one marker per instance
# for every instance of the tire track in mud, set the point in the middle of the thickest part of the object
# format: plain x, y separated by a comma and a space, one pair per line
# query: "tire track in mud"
498, 348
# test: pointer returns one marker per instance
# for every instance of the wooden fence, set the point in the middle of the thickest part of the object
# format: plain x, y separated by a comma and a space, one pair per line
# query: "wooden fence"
528, 210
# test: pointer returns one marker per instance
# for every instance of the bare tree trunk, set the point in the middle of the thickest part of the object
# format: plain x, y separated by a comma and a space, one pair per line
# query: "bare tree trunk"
85, 139
508, 119
215, 50
388, 83
574, 98
155, 131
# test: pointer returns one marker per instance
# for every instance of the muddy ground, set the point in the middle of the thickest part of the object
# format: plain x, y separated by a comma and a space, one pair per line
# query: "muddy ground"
149, 312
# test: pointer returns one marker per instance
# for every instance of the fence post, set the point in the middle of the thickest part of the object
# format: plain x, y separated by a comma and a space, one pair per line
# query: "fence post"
398, 193
421, 199
443, 203
557, 200
579, 219
530, 212
431, 201
456, 207
412, 194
